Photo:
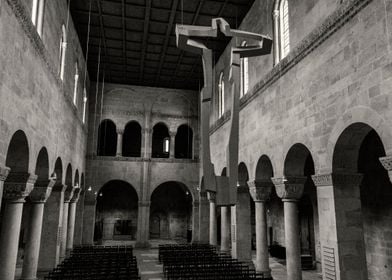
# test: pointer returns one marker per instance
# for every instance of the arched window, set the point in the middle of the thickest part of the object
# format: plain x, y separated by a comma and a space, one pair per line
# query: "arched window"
63, 49
160, 141
183, 142
244, 74
37, 15
221, 95
84, 105
75, 94
284, 28
132, 140
107, 138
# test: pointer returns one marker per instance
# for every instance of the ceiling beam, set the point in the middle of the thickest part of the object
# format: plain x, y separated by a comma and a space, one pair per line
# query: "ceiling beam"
145, 35
102, 31
167, 37
124, 34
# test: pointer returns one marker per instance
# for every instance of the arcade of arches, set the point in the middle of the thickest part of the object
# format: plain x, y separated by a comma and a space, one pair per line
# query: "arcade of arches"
100, 137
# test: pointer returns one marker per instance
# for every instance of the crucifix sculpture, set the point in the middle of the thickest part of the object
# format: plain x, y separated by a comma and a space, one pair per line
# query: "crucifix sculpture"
189, 38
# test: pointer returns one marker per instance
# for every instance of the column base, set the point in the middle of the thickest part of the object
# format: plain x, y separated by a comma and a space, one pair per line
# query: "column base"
142, 245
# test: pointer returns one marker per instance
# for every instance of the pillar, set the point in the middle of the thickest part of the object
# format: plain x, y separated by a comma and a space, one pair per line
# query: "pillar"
16, 188
172, 143
71, 220
276, 37
67, 199
260, 192
79, 219
4, 171
89, 218
225, 228
195, 221
290, 190
203, 217
38, 197
343, 254
241, 247
49, 256
108, 228
213, 224
120, 133
143, 225
40, 20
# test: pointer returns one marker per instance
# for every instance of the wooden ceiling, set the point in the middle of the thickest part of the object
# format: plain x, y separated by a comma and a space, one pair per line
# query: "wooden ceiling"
137, 39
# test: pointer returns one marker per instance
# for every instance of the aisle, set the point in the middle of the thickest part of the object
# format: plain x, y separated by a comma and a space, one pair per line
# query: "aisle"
149, 267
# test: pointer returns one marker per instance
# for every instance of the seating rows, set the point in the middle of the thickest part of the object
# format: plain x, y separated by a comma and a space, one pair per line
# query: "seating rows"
202, 262
97, 263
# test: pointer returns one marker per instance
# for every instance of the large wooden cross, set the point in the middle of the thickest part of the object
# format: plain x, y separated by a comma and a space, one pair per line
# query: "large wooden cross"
190, 38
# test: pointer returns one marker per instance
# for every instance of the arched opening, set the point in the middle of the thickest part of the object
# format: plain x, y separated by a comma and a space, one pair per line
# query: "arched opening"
68, 176
76, 180
82, 185
132, 140
183, 142
245, 203
116, 212
18, 153
58, 170
171, 212
160, 141
358, 150
299, 162
107, 138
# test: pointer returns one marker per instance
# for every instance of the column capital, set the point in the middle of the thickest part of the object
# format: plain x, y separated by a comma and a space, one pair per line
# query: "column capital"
18, 186
211, 196
42, 190
337, 179
120, 130
58, 187
203, 194
4, 171
275, 13
290, 187
144, 203
68, 194
146, 130
172, 133
386, 162
76, 195
260, 190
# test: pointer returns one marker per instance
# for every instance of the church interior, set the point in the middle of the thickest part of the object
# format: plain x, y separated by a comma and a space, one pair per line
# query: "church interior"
196, 139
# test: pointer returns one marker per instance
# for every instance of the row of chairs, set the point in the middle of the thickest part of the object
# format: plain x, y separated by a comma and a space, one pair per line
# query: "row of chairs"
98, 263
202, 262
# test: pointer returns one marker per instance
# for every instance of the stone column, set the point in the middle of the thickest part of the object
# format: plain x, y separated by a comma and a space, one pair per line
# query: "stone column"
49, 256
195, 222
213, 224
71, 220
79, 219
38, 197
67, 199
260, 192
143, 225
241, 233
89, 218
290, 189
16, 188
172, 143
204, 224
108, 228
225, 228
387, 164
341, 230
120, 133
4, 171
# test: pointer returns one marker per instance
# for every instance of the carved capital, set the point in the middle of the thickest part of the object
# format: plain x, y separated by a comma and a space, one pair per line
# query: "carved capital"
203, 195
211, 196
68, 194
58, 187
386, 162
289, 188
18, 186
260, 190
42, 190
172, 134
76, 195
147, 130
275, 13
120, 131
4, 171
337, 179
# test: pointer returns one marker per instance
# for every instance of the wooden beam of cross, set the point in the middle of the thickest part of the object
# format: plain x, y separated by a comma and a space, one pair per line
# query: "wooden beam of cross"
190, 38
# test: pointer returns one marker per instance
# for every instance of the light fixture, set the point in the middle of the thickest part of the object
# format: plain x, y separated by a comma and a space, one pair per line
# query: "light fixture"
166, 145
89, 189
100, 194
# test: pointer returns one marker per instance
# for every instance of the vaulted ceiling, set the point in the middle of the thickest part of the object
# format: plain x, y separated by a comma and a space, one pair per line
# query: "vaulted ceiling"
137, 38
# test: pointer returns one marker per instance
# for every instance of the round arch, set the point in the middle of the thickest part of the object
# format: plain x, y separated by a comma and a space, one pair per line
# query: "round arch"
58, 171
171, 211
132, 139
68, 175
160, 141
184, 142
117, 212
18, 153
264, 169
76, 180
107, 138
42, 165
